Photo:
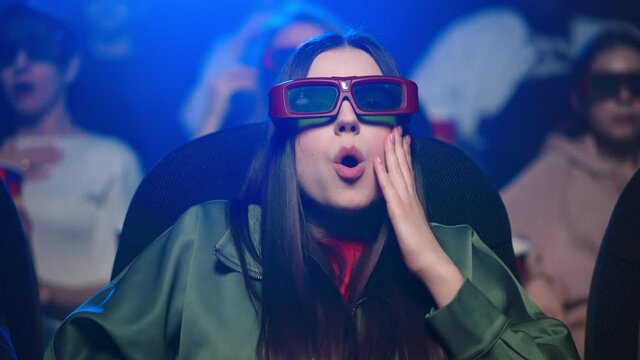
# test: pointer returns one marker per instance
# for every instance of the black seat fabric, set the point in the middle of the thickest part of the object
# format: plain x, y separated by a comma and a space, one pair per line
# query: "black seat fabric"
214, 167
19, 300
7, 352
613, 315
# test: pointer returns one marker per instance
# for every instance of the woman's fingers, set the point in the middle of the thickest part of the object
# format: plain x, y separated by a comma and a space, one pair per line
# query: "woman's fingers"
234, 79
403, 154
392, 164
34, 162
411, 184
406, 144
388, 189
45, 154
398, 165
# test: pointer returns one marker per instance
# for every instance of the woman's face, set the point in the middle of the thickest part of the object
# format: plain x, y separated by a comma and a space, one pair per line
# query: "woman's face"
32, 87
616, 119
334, 162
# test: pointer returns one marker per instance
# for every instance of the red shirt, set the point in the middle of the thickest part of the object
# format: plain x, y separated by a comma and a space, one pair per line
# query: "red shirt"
343, 253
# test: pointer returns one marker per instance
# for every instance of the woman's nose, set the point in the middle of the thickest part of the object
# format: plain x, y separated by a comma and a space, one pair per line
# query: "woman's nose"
21, 61
624, 94
347, 120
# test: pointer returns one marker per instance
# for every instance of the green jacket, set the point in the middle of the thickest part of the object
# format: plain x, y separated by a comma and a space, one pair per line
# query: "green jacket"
185, 298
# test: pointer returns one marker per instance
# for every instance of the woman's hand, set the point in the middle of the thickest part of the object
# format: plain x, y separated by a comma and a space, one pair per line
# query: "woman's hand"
232, 80
541, 292
34, 162
421, 251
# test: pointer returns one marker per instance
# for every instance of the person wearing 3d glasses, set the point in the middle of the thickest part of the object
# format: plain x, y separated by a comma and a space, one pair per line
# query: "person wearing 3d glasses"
77, 185
338, 261
562, 202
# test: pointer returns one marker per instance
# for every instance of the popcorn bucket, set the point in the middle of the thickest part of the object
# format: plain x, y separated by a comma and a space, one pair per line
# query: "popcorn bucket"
521, 248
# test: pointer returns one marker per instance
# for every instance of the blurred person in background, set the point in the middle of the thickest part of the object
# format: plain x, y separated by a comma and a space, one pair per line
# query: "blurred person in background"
240, 68
492, 82
499, 47
77, 185
129, 83
562, 201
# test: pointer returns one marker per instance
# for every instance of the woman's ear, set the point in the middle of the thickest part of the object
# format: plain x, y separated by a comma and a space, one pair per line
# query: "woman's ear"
71, 72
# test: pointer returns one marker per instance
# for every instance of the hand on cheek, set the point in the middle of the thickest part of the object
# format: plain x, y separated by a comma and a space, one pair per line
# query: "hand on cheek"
420, 250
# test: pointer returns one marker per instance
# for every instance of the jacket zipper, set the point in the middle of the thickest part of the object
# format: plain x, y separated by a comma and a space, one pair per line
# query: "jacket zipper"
228, 263
356, 306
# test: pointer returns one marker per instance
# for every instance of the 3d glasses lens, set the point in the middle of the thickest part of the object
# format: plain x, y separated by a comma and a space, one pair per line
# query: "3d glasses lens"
37, 49
378, 96
605, 86
609, 85
634, 85
8, 52
312, 99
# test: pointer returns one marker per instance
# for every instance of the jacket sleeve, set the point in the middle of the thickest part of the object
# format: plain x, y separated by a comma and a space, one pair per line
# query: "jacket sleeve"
138, 314
491, 316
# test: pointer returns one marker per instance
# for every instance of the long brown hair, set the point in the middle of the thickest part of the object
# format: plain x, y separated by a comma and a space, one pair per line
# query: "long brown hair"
302, 313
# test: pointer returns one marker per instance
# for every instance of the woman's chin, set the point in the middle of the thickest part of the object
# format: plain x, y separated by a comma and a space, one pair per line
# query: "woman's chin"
354, 205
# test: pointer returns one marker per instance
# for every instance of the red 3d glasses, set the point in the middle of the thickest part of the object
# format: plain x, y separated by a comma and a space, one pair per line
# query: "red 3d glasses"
315, 101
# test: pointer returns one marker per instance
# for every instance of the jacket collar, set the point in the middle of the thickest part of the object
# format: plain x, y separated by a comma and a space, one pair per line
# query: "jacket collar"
226, 251
455, 240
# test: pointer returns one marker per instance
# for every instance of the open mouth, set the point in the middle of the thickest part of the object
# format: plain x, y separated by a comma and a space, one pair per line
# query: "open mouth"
349, 164
23, 89
350, 161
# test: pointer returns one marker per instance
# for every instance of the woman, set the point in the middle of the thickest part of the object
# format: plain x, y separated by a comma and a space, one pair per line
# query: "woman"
239, 70
337, 262
562, 202
77, 185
